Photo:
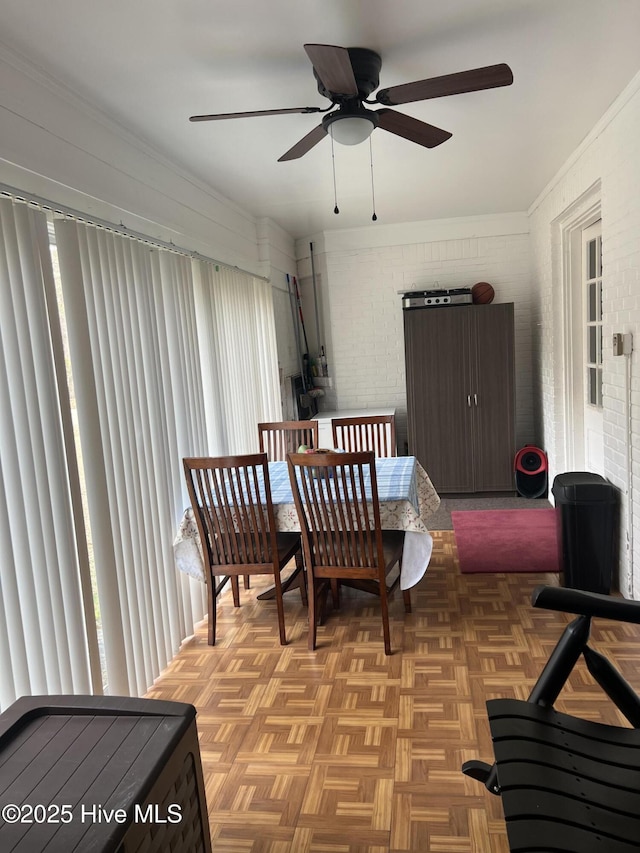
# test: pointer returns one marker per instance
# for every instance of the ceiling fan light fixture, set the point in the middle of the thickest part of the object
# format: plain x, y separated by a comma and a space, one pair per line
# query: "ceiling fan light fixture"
351, 130
351, 124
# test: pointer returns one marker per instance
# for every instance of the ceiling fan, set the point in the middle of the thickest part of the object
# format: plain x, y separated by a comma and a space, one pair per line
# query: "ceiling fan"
348, 75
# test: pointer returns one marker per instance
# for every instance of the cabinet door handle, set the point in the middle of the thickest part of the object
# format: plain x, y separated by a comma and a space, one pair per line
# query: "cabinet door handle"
469, 400
475, 399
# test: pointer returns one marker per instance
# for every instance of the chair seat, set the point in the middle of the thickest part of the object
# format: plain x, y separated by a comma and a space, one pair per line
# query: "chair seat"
288, 544
392, 545
570, 784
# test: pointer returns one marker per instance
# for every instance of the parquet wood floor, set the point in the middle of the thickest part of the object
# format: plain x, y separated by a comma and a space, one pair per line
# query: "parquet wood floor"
344, 750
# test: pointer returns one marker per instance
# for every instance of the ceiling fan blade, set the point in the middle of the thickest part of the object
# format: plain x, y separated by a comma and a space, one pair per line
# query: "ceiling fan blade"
412, 128
333, 67
489, 77
252, 113
305, 144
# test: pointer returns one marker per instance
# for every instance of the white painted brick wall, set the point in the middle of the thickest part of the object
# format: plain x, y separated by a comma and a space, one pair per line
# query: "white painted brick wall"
609, 155
362, 285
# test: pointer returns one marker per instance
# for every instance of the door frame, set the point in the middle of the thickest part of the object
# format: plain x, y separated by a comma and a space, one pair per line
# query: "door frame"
569, 226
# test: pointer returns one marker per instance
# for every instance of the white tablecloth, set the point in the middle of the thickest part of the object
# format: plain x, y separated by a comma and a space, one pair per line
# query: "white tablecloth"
406, 495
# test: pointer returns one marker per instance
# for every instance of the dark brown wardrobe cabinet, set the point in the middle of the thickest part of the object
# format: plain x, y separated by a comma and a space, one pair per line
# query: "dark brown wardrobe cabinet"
460, 395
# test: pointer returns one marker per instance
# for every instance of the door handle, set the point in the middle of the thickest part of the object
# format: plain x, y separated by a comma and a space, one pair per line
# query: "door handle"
469, 400
475, 399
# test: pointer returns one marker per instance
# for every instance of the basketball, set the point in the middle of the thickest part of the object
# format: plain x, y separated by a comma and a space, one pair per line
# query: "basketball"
482, 293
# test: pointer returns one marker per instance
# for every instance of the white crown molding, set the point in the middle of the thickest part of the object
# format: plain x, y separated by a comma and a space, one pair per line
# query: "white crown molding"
81, 103
627, 94
426, 231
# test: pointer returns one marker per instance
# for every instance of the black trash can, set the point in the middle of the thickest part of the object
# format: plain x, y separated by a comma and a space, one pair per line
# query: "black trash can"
586, 516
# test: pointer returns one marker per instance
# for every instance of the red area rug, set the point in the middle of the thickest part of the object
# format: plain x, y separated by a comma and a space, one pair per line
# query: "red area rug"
506, 540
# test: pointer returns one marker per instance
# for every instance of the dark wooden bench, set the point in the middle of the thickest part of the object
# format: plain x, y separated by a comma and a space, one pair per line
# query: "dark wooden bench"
568, 785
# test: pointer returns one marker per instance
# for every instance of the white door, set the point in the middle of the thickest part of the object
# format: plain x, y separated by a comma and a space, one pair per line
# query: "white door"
592, 347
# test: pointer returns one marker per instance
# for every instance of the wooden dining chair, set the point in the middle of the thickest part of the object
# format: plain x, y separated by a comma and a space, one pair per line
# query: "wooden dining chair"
375, 432
231, 500
282, 437
336, 498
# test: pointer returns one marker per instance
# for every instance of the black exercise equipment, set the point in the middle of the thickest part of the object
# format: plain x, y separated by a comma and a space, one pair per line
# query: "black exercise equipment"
568, 785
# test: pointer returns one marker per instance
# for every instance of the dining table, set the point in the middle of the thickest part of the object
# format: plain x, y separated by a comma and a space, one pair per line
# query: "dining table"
406, 496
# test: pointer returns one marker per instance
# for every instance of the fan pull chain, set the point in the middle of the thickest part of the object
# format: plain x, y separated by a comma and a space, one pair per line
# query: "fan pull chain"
336, 209
374, 218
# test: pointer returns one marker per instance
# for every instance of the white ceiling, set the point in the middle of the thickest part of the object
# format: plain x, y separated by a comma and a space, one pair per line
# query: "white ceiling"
150, 64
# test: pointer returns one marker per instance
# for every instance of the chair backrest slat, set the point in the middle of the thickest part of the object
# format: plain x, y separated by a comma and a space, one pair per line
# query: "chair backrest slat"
374, 432
281, 437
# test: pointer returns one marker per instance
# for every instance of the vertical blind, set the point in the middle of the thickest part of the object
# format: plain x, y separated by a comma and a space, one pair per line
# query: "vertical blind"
162, 347
131, 328
48, 640
239, 356
170, 357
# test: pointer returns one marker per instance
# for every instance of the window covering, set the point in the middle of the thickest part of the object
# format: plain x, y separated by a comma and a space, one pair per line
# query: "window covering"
239, 356
48, 640
131, 327
170, 356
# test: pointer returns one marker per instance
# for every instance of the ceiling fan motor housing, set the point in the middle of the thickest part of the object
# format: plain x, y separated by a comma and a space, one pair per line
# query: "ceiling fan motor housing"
350, 109
366, 66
